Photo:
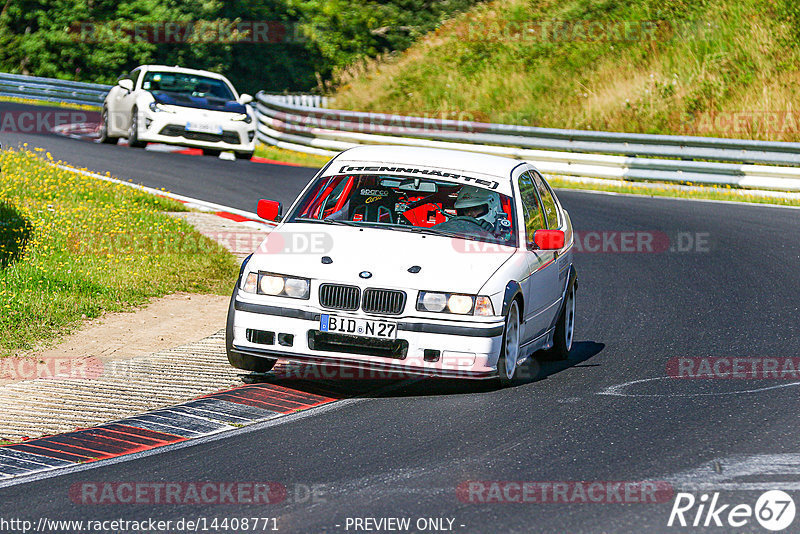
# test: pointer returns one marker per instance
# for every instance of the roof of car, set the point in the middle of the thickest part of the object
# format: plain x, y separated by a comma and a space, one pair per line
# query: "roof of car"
166, 68
497, 166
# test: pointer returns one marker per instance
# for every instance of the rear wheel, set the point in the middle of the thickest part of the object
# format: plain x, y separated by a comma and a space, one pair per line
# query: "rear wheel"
509, 353
133, 135
565, 329
104, 137
244, 155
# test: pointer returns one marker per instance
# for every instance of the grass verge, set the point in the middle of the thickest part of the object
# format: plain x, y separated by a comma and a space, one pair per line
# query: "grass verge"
290, 156
83, 247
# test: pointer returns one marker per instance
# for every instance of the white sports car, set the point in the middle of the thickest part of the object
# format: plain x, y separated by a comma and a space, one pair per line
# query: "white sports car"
177, 106
421, 261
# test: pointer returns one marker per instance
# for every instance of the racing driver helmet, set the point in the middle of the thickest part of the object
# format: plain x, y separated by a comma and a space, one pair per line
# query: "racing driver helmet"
480, 204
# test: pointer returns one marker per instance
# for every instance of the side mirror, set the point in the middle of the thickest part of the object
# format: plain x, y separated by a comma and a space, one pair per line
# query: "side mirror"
549, 239
269, 210
244, 98
126, 84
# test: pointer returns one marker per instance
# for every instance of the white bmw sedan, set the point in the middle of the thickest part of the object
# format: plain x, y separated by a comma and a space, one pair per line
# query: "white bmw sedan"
420, 261
177, 106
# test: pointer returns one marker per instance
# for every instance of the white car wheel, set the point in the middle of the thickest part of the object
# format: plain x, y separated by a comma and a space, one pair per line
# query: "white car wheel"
133, 135
565, 329
509, 354
569, 319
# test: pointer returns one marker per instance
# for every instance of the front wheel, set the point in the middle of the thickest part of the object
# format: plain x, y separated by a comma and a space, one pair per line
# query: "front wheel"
509, 352
238, 360
212, 152
565, 329
244, 155
254, 364
133, 135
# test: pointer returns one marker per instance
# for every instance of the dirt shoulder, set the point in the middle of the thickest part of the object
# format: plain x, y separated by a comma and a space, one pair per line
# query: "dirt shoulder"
165, 323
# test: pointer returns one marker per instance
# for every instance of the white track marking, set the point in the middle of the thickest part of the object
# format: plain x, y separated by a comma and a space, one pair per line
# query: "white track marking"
618, 390
737, 472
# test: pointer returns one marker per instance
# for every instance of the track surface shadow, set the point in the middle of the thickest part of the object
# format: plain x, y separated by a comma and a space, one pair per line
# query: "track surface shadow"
354, 383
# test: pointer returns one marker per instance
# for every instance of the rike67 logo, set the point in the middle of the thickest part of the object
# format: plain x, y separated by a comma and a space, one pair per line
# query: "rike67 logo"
774, 510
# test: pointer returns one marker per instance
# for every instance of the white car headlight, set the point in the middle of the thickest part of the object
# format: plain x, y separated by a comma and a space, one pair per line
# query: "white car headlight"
460, 304
271, 285
156, 108
277, 285
434, 302
242, 117
456, 303
296, 288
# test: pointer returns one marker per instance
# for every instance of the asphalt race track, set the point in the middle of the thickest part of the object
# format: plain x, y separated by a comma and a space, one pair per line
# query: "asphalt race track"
726, 285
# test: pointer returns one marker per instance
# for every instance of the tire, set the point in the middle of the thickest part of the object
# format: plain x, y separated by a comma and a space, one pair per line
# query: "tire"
509, 352
104, 137
565, 329
212, 152
254, 364
133, 135
244, 155
241, 361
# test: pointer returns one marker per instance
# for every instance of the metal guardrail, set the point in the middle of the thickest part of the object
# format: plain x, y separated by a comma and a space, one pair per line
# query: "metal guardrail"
92, 94
312, 101
638, 157
303, 123
52, 89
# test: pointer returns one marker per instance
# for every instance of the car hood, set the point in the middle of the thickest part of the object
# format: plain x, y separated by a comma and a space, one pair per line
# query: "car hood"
446, 264
174, 99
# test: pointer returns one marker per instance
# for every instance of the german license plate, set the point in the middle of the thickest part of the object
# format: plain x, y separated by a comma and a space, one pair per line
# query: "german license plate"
203, 127
358, 327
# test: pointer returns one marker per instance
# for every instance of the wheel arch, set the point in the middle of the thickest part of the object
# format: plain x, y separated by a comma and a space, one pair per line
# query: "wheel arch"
513, 292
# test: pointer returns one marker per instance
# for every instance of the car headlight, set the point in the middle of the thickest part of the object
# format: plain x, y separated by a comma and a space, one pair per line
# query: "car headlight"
156, 108
242, 117
277, 285
456, 303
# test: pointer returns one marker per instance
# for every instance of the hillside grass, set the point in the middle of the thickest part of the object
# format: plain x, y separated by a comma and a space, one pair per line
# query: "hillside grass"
724, 68
74, 247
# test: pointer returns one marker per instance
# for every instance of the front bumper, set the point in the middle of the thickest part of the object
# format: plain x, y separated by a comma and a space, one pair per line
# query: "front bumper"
466, 349
170, 129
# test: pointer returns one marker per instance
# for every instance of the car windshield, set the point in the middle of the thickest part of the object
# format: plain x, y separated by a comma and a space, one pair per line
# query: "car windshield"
187, 85
410, 204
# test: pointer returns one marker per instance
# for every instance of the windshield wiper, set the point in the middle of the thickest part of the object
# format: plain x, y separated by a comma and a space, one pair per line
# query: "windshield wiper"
327, 221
